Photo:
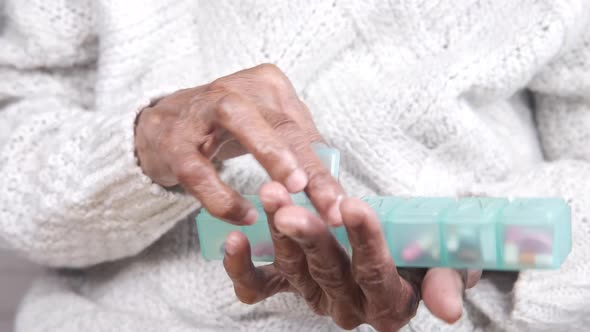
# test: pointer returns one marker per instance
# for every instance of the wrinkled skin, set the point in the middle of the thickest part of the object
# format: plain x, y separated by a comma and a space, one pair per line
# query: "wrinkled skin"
181, 137
310, 263
252, 111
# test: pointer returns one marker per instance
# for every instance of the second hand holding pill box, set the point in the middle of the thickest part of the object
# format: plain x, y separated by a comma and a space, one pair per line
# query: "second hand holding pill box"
474, 232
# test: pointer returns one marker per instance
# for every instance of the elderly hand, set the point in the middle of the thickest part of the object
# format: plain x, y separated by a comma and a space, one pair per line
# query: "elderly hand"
252, 111
310, 262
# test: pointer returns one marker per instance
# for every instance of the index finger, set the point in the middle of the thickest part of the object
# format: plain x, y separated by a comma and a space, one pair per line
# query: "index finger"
323, 188
198, 176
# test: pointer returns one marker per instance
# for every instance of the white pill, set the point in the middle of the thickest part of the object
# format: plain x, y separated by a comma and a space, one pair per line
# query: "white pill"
543, 260
425, 241
510, 253
435, 252
453, 243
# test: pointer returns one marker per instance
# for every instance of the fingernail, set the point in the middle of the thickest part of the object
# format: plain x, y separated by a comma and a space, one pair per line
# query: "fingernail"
231, 244
297, 181
251, 217
334, 214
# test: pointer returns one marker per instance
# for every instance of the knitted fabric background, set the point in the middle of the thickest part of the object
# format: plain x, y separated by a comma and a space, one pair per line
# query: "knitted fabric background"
422, 98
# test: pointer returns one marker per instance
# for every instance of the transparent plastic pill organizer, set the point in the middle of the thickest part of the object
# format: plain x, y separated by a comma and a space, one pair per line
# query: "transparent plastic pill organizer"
475, 232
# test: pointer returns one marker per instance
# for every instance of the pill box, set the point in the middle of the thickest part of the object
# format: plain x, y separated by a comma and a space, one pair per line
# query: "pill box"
475, 232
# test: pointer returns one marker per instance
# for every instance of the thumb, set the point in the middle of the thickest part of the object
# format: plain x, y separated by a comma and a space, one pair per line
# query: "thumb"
442, 292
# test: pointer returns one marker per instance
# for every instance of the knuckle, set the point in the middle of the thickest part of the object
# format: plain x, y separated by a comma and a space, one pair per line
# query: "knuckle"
217, 85
187, 170
157, 132
285, 124
225, 109
268, 151
276, 156
371, 274
151, 119
273, 76
269, 69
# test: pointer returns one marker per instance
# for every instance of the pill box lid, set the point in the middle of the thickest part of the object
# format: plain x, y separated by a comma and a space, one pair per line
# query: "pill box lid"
475, 210
422, 209
536, 210
383, 205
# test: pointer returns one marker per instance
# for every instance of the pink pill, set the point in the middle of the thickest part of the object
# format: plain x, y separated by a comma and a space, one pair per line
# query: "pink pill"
539, 243
529, 239
263, 249
513, 234
412, 252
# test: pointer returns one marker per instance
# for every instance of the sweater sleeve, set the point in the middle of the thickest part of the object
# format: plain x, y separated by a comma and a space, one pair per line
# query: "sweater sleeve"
558, 300
71, 191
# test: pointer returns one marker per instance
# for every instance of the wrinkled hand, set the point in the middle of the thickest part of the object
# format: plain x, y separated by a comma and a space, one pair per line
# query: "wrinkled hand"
310, 262
252, 111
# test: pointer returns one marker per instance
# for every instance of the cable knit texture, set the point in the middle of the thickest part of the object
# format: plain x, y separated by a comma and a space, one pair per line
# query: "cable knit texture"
423, 98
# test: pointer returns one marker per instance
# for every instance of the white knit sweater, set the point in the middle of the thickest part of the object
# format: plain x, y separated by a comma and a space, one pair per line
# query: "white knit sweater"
421, 97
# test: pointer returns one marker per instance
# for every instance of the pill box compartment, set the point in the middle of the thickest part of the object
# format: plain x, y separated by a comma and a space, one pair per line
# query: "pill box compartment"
469, 232
383, 205
413, 231
535, 233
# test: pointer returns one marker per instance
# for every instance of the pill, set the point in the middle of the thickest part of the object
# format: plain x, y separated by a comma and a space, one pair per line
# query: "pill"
453, 243
513, 234
536, 242
425, 241
435, 252
527, 258
510, 253
412, 252
263, 249
544, 260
